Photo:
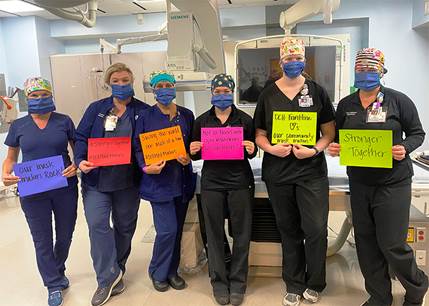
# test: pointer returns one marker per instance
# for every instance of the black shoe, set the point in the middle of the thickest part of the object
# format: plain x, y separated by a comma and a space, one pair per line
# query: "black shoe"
160, 286
119, 288
177, 282
102, 295
236, 299
221, 298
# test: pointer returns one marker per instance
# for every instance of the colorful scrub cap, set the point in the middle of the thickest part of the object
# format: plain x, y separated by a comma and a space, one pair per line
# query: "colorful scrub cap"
291, 46
35, 84
223, 80
161, 76
370, 59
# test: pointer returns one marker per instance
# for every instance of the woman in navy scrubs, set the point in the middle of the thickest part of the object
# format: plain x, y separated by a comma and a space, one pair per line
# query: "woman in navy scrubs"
45, 133
111, 190
380, 197
296, 175
226, 186
167, 185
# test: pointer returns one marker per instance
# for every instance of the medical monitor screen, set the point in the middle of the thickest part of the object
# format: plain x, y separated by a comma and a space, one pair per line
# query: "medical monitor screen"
258, 68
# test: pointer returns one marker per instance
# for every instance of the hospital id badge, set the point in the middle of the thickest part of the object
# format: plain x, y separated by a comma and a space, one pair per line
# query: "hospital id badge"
377, 115
110, 123
305, 101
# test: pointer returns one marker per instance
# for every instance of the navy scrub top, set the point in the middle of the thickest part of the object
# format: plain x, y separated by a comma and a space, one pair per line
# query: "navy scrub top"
117, 177
175, 179
36, 143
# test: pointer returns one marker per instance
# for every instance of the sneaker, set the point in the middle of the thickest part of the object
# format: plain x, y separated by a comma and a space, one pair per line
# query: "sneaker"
291, 299
65, 283
311, 296
55, 298
221, 298
176, 282
102, 295
119, 288
236, 299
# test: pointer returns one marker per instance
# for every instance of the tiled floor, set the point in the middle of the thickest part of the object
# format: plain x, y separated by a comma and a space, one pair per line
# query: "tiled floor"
21, 285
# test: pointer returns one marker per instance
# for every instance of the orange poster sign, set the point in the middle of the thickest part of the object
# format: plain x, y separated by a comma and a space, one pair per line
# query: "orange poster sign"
166, 144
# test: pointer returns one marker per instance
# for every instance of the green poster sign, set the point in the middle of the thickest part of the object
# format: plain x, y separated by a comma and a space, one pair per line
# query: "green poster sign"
294, 128
366, 148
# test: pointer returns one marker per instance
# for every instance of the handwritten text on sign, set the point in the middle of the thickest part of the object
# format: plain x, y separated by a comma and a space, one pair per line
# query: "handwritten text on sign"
109, 151
222, 143
166, 144
40, 175
294, 128
366, 148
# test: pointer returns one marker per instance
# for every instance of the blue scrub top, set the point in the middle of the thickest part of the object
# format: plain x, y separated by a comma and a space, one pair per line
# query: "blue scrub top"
36, 143
113, 178
174, 180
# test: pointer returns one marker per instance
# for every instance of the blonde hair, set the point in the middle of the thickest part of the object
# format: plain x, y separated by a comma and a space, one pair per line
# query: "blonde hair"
117, 67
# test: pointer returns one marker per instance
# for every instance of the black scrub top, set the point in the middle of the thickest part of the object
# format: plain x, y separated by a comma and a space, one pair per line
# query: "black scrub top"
288, 170
226, 174
402, 117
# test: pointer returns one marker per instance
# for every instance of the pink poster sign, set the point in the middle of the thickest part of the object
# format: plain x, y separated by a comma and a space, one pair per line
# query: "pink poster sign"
222, 143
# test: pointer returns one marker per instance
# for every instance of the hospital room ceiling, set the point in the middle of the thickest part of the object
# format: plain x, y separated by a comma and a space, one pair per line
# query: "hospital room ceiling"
130, 7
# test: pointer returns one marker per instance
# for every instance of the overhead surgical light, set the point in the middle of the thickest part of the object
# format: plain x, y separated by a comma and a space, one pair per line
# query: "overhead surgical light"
60, 3
16, 7
307, 8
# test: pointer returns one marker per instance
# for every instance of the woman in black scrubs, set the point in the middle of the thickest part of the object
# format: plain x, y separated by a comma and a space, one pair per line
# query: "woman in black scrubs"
227, 186
296, 175
380, 197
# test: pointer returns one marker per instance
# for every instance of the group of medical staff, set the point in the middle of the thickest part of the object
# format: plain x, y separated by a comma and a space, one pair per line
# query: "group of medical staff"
295, 176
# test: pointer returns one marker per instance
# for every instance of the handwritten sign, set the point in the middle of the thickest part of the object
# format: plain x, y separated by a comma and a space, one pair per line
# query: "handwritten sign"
166, 144
294, 128
222, 143
366, 148
109, 151
40, 175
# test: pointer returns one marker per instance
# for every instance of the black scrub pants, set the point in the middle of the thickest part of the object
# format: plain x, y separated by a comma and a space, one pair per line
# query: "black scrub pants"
239, 206
301, 211
380, 219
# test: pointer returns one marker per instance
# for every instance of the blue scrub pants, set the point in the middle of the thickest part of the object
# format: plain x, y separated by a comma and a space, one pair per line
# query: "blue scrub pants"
168, 218
38, 210
110, 247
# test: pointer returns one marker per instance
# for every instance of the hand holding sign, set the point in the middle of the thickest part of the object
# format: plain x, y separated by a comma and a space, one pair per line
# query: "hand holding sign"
294, 128
398, 152
334, 149
40, 175
366, 148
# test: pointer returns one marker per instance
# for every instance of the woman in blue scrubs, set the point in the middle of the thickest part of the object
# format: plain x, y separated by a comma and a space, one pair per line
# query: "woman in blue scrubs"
112, 190
45, 133
167, 185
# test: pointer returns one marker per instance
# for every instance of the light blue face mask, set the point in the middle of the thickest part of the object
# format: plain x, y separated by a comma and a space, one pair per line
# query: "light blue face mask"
41, 105
293, 69
165, 95
367, 80
122, 92
222, 101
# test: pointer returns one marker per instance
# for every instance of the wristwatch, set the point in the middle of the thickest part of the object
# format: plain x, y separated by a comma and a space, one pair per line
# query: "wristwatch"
317, 151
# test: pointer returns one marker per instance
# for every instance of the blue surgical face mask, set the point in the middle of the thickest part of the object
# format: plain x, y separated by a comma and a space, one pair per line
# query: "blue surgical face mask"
41, 105
367, 80
293, 69
222, 101
165, 95
122, 92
